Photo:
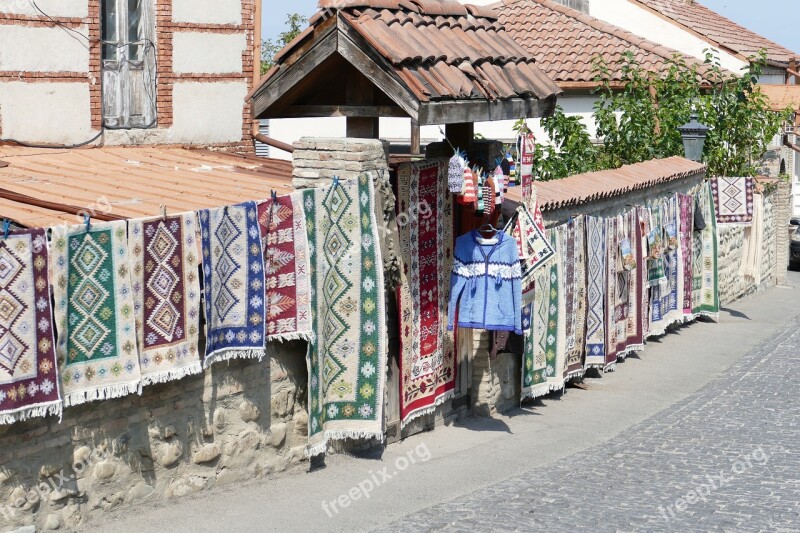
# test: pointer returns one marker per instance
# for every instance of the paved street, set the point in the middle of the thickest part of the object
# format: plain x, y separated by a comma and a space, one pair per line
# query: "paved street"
708, 401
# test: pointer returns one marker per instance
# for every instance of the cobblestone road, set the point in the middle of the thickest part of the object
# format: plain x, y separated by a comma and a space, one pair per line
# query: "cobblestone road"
727, 458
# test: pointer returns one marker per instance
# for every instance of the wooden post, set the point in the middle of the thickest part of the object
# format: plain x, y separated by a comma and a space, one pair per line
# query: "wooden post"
415, 137
361, 91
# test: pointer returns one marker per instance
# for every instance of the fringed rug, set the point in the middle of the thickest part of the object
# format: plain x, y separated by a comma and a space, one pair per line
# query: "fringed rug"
28, 383
705, 292
596, 280
555, 341
733, 200
427, 349
534, 249
656, 273
645, 216
574, 267
687, 228
666, 306
635, 277
282, 226
347, 359
616, 295
536, 358
753, 249
166, 296
94, 312
233, 270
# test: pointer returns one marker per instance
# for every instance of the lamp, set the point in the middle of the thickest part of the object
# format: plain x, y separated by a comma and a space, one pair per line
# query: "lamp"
694, 138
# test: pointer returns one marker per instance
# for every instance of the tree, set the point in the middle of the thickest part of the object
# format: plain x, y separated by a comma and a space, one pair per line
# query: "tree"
270, 47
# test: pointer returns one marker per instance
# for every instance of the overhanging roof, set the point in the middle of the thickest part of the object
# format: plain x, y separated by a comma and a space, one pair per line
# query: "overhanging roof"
438, 62
782, 97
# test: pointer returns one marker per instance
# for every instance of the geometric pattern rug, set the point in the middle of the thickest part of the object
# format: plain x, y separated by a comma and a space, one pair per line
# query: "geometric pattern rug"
733, 200
28, 382
705, 281
574, 266
427, 348
347, 358
166, 296
596, 233
233, 270
94, 312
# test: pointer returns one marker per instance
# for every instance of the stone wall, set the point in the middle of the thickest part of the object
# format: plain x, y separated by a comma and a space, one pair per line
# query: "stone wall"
317, 160
235, 422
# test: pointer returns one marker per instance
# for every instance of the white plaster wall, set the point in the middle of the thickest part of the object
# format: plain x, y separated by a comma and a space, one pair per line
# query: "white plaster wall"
207, 112
54, 8
207, 53
43, 49
52, 113
635, 19
208, 11
772, 79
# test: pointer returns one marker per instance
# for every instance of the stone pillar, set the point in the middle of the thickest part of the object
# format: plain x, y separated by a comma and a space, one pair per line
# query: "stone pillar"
317, 160
783, 213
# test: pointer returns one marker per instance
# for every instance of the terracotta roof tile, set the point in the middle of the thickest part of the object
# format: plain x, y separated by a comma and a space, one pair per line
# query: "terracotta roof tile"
566, 42
721, 30
782, 96
582, 188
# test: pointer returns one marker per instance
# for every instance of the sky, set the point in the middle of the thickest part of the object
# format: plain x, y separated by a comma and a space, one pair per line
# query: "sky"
774, 19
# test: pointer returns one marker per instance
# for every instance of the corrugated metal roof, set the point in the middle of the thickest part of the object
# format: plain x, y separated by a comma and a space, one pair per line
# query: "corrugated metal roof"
134, 181
591, 186
782, 96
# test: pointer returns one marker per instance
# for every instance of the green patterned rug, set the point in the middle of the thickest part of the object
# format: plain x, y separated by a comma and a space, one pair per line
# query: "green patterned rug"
347, 360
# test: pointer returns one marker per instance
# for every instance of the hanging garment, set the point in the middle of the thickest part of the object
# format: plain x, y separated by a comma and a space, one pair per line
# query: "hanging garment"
512, 170
284, 243
427, 349
486, 285
469, 193
596, 244
29, 385
500, 186
94, 312
733, 200
348, 356
233, 270
455, 173
705, 292
166, 296
527, 144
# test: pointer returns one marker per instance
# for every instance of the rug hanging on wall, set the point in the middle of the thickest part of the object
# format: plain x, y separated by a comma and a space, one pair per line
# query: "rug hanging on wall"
536, 315
634, 273
596, 292
656, 274
29, 385
94, 312
427, 349
615, 300
733, 200
687, 227
347, 359
705, 281
534, 249
166, 296
574, 260
233, 270
284, 241
666, 305
555, 341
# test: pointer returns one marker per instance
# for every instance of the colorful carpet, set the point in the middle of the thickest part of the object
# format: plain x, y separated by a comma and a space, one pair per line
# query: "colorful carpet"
645, 217
233, 270
427, 349
666, 305
534, 249
166, 296
282, 226
575, 306
94, 312
29, 385
705, 284
753, 249
687, 228
635, 278
536, 357
733, 200
616, 295
347, 360
527, 149
656, 273
596, 280
555, 341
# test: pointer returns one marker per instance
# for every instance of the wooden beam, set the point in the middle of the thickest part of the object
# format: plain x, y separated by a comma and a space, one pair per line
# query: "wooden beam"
361, 91
57, 206
460, 111
269, 141
362, 111
415, 138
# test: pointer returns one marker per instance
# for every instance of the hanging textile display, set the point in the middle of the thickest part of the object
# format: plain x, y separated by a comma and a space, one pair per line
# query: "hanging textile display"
615, 300
233, 270
733, 200
282, 226
555, 341
427, 348
596, 280
686, 229
665, 309
166, 296
633, 266
656, 275
532, 245
705, 293
574, 261
527, 146
535, 315
94, 312
347, 359
754, 244
29, 386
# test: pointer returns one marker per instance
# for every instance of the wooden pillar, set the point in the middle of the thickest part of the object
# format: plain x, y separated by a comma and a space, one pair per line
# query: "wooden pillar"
361, 91
415, 137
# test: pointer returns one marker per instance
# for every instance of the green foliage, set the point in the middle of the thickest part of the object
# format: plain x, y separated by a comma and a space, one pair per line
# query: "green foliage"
270, 47
570, 150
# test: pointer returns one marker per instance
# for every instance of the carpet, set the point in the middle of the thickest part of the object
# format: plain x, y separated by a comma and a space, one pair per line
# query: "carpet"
282, 226
633, 331
616, 295
347, 360
753, 249
555, 340
656, 274
575, 306
534, 248
94, 312
29, 386
733, 200
535, 357
527, 149
427, 349
596, 290
665, 309
687, 227
166, 296
705, 281
644, 215
233, 270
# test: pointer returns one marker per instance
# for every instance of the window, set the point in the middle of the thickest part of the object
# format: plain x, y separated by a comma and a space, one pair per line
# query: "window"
129, 64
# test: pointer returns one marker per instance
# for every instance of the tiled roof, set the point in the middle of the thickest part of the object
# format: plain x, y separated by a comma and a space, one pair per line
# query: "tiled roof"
722, 31
582, 188
135, 181
566, 42
442, 50
782, 96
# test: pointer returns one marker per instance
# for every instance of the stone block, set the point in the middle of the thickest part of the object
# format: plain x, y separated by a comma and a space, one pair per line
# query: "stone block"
170, 454
249, 411
278, 432
207, 454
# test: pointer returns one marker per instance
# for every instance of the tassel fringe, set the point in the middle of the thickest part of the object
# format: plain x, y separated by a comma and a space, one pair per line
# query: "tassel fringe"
341, 434
172, 375
235, 353
422, 411
103, 393
36, 411
298, 336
